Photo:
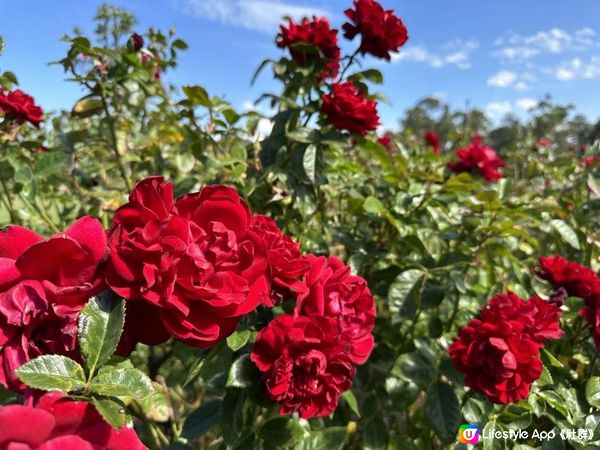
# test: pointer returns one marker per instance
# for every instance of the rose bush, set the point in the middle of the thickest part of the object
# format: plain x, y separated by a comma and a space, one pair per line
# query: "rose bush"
293, 279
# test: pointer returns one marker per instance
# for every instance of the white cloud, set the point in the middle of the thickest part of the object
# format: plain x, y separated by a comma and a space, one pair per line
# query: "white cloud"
516, 47
577, 68
521, 85
526, 103
497, 109
456, 53
503, 78
258, 15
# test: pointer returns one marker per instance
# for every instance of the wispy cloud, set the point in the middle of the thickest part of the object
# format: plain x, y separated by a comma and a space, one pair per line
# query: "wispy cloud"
516, 47
577, 68
526, 103
456, 53
258, 15
509, 78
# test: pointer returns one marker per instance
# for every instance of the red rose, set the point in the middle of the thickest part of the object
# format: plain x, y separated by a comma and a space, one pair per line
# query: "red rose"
136, 42
496, 352
196, 260
47, 329
316, 32
68, 265
56, 423
333, 292
579, 281
382, 32
305, 368
286, 262
346, 108
433, 141
478, 157
543, 142
589, 160
385, 141
21, 107
540, 319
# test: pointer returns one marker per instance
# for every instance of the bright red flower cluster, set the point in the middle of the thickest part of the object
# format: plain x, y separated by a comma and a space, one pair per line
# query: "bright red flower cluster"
44, 283
20, 107
499, 350
347, 108
57, 423
433, 141
309, 358
381, 30
577, 281
479, 158
318, 33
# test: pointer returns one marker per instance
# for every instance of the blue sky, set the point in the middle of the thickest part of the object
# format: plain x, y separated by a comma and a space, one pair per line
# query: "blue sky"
497, 55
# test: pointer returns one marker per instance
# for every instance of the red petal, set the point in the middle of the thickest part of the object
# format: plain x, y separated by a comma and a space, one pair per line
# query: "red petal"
14, 240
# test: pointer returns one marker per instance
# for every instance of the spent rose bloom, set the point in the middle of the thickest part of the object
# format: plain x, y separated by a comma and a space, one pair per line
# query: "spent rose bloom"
136, 42
316, 32
21, 107
305, 369
381, 30
57, 423
196, 260
286, 263
499, 351
433, 141
478, 157
332, 291
347, 108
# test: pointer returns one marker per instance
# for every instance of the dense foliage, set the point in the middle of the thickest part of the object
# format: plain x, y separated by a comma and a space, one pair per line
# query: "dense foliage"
192, 276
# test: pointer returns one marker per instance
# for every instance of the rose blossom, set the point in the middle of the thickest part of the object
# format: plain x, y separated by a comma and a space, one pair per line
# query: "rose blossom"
316, 32
196, 260
286, 262
381, 31
347, 108
305, 369
478, 157
57, 423
21, 107
333, 292
499, 351
433, 141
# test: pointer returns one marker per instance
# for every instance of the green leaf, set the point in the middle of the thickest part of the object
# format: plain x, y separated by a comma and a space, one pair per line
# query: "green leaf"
241, 373
309, 162
493, 443
112, 410
566, 232
375, 434
373, 205
51, 163
197, 95
122, 383
7, 171
87, 106
280, 432
180, 44
592, 391
238, 339
372, 75
100, 326
52, 372
350, 398
442, 410
403, 294
202, 420
332, 438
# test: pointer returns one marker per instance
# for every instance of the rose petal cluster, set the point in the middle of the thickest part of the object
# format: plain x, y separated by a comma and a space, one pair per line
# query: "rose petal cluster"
499, 350
57, 423
479, 158
347, 108
44, 283
195, 263
318, 33
433, 141
21, 107
309, 358
381, 30
577, 281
